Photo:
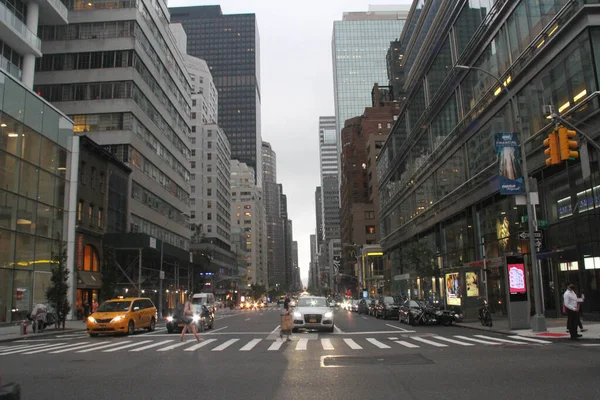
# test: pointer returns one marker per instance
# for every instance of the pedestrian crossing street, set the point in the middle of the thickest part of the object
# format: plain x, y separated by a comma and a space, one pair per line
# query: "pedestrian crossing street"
264, 345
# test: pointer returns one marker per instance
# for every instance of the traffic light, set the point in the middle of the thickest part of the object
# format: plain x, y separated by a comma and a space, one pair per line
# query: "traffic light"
552, 150
568, 148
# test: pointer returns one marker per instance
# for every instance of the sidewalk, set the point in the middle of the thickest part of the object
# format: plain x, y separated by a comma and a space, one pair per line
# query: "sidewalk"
11, 333
556, 328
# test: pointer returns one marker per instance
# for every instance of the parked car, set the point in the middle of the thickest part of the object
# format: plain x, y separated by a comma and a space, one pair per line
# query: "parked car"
122, 316
354, 305
205, 318
409, 311
387, 307
363, 306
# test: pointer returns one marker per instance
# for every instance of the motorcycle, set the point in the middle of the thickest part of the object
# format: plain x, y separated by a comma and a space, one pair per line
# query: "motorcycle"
432, 316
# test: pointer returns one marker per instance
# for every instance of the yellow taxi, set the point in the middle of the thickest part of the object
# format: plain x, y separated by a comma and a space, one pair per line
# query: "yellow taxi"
123, 316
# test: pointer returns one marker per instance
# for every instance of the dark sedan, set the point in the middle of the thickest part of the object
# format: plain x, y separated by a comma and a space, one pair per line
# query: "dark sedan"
409, 311
387, 307
204, 319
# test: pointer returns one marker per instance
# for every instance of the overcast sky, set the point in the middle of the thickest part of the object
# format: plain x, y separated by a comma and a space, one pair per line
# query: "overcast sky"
297, 88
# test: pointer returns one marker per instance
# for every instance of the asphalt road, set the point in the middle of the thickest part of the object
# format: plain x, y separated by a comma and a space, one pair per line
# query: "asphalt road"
243, 358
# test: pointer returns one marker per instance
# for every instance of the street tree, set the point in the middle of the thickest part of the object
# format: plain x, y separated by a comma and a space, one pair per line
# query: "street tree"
258, 291
422, 260
57, 293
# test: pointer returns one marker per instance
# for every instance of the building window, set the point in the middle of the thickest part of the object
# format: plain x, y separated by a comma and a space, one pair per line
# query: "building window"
80, 211
90, 259
209, 179
82, 175
93, 177
193, 140
193, 152
102, 182
193, 164
209, 216
100, 215
209, 156
369, 214
193, 189
209, 144
91, 214
209, 192
209, 204
370, 229
193, 131
193, 115
193, 102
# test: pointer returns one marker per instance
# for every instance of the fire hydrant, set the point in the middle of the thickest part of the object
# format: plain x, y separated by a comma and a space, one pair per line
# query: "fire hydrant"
23, 327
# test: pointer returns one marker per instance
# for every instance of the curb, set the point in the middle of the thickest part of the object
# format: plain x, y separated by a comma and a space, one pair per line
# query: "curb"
507, 333
39, 335
484, 329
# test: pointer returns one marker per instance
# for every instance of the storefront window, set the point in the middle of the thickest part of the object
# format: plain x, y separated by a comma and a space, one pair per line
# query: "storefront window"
7, 248
9, 172
22, 296
24, 250
450, 175
5, 288
10, 134
41, 282
458, 241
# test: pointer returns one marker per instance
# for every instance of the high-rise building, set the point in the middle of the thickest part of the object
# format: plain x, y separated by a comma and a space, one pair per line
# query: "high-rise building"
329, 170
230, 44
248, 214
313, 272
359, 46
275, 232
319, 215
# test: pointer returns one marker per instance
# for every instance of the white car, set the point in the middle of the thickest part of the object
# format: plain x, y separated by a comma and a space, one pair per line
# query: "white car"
313, 313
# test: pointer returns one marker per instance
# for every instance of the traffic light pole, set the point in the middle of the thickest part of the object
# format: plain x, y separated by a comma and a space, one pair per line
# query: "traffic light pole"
562, 121
538, 322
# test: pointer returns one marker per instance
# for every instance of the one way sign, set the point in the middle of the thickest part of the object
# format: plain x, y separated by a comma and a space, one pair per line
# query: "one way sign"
536, 235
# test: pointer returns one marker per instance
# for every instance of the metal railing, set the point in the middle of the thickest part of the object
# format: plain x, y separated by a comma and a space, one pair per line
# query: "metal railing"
19, 27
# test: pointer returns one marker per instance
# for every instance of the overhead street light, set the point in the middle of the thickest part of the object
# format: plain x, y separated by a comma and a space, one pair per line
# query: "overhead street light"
538, 322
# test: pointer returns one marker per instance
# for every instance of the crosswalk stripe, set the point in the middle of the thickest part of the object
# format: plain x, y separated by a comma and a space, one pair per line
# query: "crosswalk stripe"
378, 343
173, 346
23, 346
81, 346
392, 338
498, 339
476, 340
30, 348
250, 345
352, 344
453, 341
531, 339
201, 344
151, 345
125, 346
326, 343
302, 344
100, 347
54, 348
429, 342
225, 345
275, 346
406, 344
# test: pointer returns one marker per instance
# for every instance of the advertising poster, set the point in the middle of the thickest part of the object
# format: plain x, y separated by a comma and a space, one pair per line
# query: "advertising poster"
516, 279
472, 284
509, 162
453, 289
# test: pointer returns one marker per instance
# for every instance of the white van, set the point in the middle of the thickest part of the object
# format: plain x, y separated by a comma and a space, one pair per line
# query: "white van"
206, 299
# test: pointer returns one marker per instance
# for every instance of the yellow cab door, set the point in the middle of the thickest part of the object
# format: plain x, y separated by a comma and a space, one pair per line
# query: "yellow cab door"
137, 310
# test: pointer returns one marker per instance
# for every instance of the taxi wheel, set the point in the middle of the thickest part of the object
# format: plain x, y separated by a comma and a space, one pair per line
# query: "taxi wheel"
152, 325
130, 328
93, 334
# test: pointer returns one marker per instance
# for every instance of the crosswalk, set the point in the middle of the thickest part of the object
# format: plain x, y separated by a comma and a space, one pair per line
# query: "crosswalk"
260, 344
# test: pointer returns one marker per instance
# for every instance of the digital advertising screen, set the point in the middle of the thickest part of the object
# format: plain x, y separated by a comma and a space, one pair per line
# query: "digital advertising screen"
453, 289
516, 279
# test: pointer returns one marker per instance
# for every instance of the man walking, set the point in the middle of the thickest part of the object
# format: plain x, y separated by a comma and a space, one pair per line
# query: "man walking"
570, 300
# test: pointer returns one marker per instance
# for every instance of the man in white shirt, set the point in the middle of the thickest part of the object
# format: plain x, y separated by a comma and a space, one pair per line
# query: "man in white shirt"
571, 302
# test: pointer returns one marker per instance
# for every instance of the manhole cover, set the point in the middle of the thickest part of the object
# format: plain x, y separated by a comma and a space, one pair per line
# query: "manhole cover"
350, 361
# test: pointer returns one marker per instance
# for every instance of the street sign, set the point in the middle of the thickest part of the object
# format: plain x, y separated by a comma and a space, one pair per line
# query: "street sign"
542, 223
538, 243
525, 235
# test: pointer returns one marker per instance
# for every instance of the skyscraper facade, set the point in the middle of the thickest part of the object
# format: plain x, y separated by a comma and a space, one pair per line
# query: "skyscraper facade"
329, 169
359, 47
230, 44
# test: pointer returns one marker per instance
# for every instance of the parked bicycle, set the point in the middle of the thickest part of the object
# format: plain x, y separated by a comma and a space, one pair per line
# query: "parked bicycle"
485, 316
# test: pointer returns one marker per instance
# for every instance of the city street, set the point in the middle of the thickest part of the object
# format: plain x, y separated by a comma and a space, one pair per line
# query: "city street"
243, 357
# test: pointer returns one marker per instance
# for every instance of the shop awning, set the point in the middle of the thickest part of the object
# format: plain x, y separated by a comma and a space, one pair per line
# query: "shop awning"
89, 280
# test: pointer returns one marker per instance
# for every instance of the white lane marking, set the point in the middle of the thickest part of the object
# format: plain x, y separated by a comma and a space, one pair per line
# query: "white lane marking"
352, 344
392, 338
225, 345
406, 344
71, 335
152, 345
250, 345
201, 344
476, 340
397, 327
24, 346
591, 345
101, 347
73, 348
216, 330
173, 346
532, 339
373, 333
378, 343
302, 343
126, 346
275, 346
453, 341
338, 330
326, 343
432, 343
498, 339
38, 347
57, 347
275, 330
364, 318
247, 319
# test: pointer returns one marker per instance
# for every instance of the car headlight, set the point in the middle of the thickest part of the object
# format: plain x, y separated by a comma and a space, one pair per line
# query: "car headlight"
297, 315
328, 314
118, 318
196, 318
170, 319
91, 319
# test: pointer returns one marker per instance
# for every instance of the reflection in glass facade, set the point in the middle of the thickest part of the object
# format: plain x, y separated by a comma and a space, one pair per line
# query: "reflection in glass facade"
359, 47
34, 155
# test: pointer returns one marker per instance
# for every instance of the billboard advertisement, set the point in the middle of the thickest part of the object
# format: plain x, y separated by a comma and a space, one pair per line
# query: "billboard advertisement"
510, 176
472, 284
453, 289
516, 279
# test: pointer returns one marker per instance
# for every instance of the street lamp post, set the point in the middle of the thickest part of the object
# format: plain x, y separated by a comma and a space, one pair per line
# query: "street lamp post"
161, 276
538, 323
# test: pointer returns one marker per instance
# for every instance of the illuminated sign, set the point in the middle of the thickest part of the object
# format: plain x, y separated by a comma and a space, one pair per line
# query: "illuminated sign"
453, 289
516, 279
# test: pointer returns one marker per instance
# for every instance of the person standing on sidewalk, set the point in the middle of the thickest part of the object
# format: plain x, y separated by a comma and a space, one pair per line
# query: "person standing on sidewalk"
571, 302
